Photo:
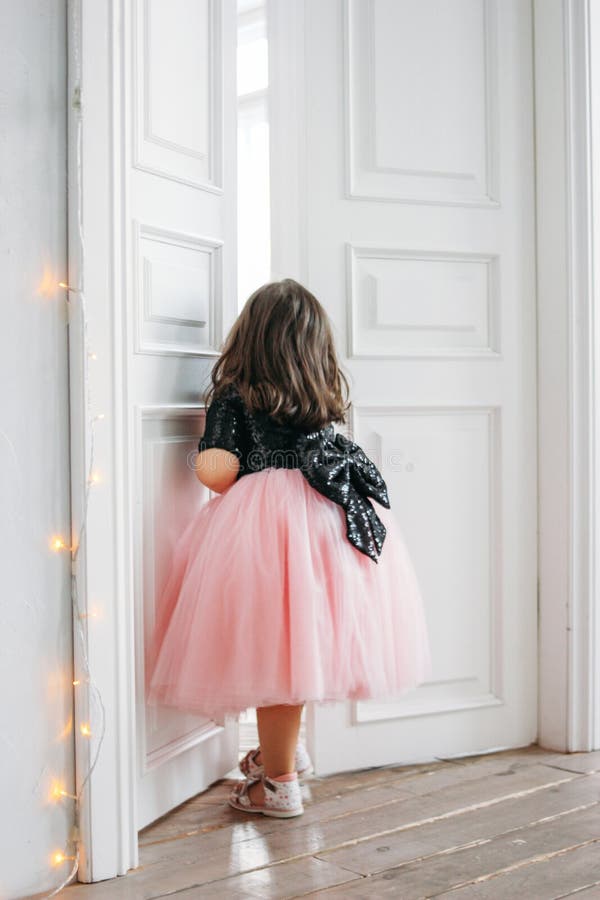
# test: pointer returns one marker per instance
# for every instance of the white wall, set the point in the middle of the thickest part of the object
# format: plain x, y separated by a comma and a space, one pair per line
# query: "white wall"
36, 741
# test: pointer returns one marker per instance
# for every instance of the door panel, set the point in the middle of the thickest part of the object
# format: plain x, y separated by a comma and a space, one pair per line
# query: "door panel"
179, 209
416, 214
403, 59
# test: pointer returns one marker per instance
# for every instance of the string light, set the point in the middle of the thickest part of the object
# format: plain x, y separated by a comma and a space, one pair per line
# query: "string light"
57, 542
58, 858
58, 792
66, 287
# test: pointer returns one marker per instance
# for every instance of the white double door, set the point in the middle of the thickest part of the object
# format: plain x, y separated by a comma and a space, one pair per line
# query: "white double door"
403, 197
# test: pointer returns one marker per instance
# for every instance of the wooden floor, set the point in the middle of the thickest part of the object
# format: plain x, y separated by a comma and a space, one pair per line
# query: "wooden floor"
517, 825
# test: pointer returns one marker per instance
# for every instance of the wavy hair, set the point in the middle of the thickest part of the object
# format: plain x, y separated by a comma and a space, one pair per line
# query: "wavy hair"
280, 355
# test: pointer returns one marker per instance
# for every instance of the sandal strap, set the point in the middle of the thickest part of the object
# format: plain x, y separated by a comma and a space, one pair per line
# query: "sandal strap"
267, 782
250, 757
244, 786
254, 779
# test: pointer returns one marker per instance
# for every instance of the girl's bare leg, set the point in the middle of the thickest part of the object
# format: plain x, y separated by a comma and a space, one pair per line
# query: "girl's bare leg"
278, 728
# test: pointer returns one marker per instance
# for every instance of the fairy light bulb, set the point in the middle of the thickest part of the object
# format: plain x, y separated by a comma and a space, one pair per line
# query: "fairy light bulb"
47, 285
85, 729
57, 543
67, 287
58, 858
95, 478
92, 614
58, 792
76, 682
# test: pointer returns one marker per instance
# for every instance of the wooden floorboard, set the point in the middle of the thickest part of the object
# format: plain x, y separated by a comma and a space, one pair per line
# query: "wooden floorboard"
522, 823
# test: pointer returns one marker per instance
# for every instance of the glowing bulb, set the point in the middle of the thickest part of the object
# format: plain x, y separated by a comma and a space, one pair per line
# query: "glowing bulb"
57, 543
92, 355
47, 286
77, 682
91, 614
58, 792
85, 729
95, 478
58, 858
67, 287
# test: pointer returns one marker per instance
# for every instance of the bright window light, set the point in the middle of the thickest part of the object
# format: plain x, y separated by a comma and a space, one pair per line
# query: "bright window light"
252, 66
254, 216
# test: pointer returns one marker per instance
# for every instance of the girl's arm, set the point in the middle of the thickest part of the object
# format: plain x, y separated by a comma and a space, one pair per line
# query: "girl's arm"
219, 459
217, 468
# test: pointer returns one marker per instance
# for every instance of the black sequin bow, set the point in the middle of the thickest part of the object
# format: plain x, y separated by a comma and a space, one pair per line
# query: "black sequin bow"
338, 468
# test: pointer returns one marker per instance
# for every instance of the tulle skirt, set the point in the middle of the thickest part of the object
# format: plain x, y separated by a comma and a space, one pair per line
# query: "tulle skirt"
268, 602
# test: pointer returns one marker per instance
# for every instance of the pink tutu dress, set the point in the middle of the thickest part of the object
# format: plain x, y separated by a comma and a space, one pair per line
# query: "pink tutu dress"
293, 585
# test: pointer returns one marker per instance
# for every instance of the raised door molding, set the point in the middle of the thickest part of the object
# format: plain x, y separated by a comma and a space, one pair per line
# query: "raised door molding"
178, 132
392, 152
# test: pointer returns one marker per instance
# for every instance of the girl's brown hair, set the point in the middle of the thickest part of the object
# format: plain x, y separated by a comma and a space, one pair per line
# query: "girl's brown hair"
280, 355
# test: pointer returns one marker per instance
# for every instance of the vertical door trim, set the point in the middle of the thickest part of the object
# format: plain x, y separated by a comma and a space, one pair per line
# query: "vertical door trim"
568, 373
593, 171
584, 652
107, 821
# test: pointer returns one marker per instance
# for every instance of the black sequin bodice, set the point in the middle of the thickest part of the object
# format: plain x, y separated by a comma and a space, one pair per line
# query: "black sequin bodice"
332, 463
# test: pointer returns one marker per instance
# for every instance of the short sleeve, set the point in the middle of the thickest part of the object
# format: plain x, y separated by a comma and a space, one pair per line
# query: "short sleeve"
224, 425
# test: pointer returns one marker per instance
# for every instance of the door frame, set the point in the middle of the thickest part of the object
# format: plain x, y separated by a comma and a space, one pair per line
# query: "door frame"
567, 102
568, 383
98, 385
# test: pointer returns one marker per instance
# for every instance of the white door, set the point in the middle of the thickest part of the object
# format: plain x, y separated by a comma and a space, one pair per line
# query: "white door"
403, 196
180, 139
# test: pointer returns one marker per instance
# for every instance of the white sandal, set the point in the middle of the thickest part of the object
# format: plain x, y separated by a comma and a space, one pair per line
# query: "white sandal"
303, 762
282, 796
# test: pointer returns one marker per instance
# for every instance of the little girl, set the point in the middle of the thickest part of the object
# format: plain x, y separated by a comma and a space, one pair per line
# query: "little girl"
294, 583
